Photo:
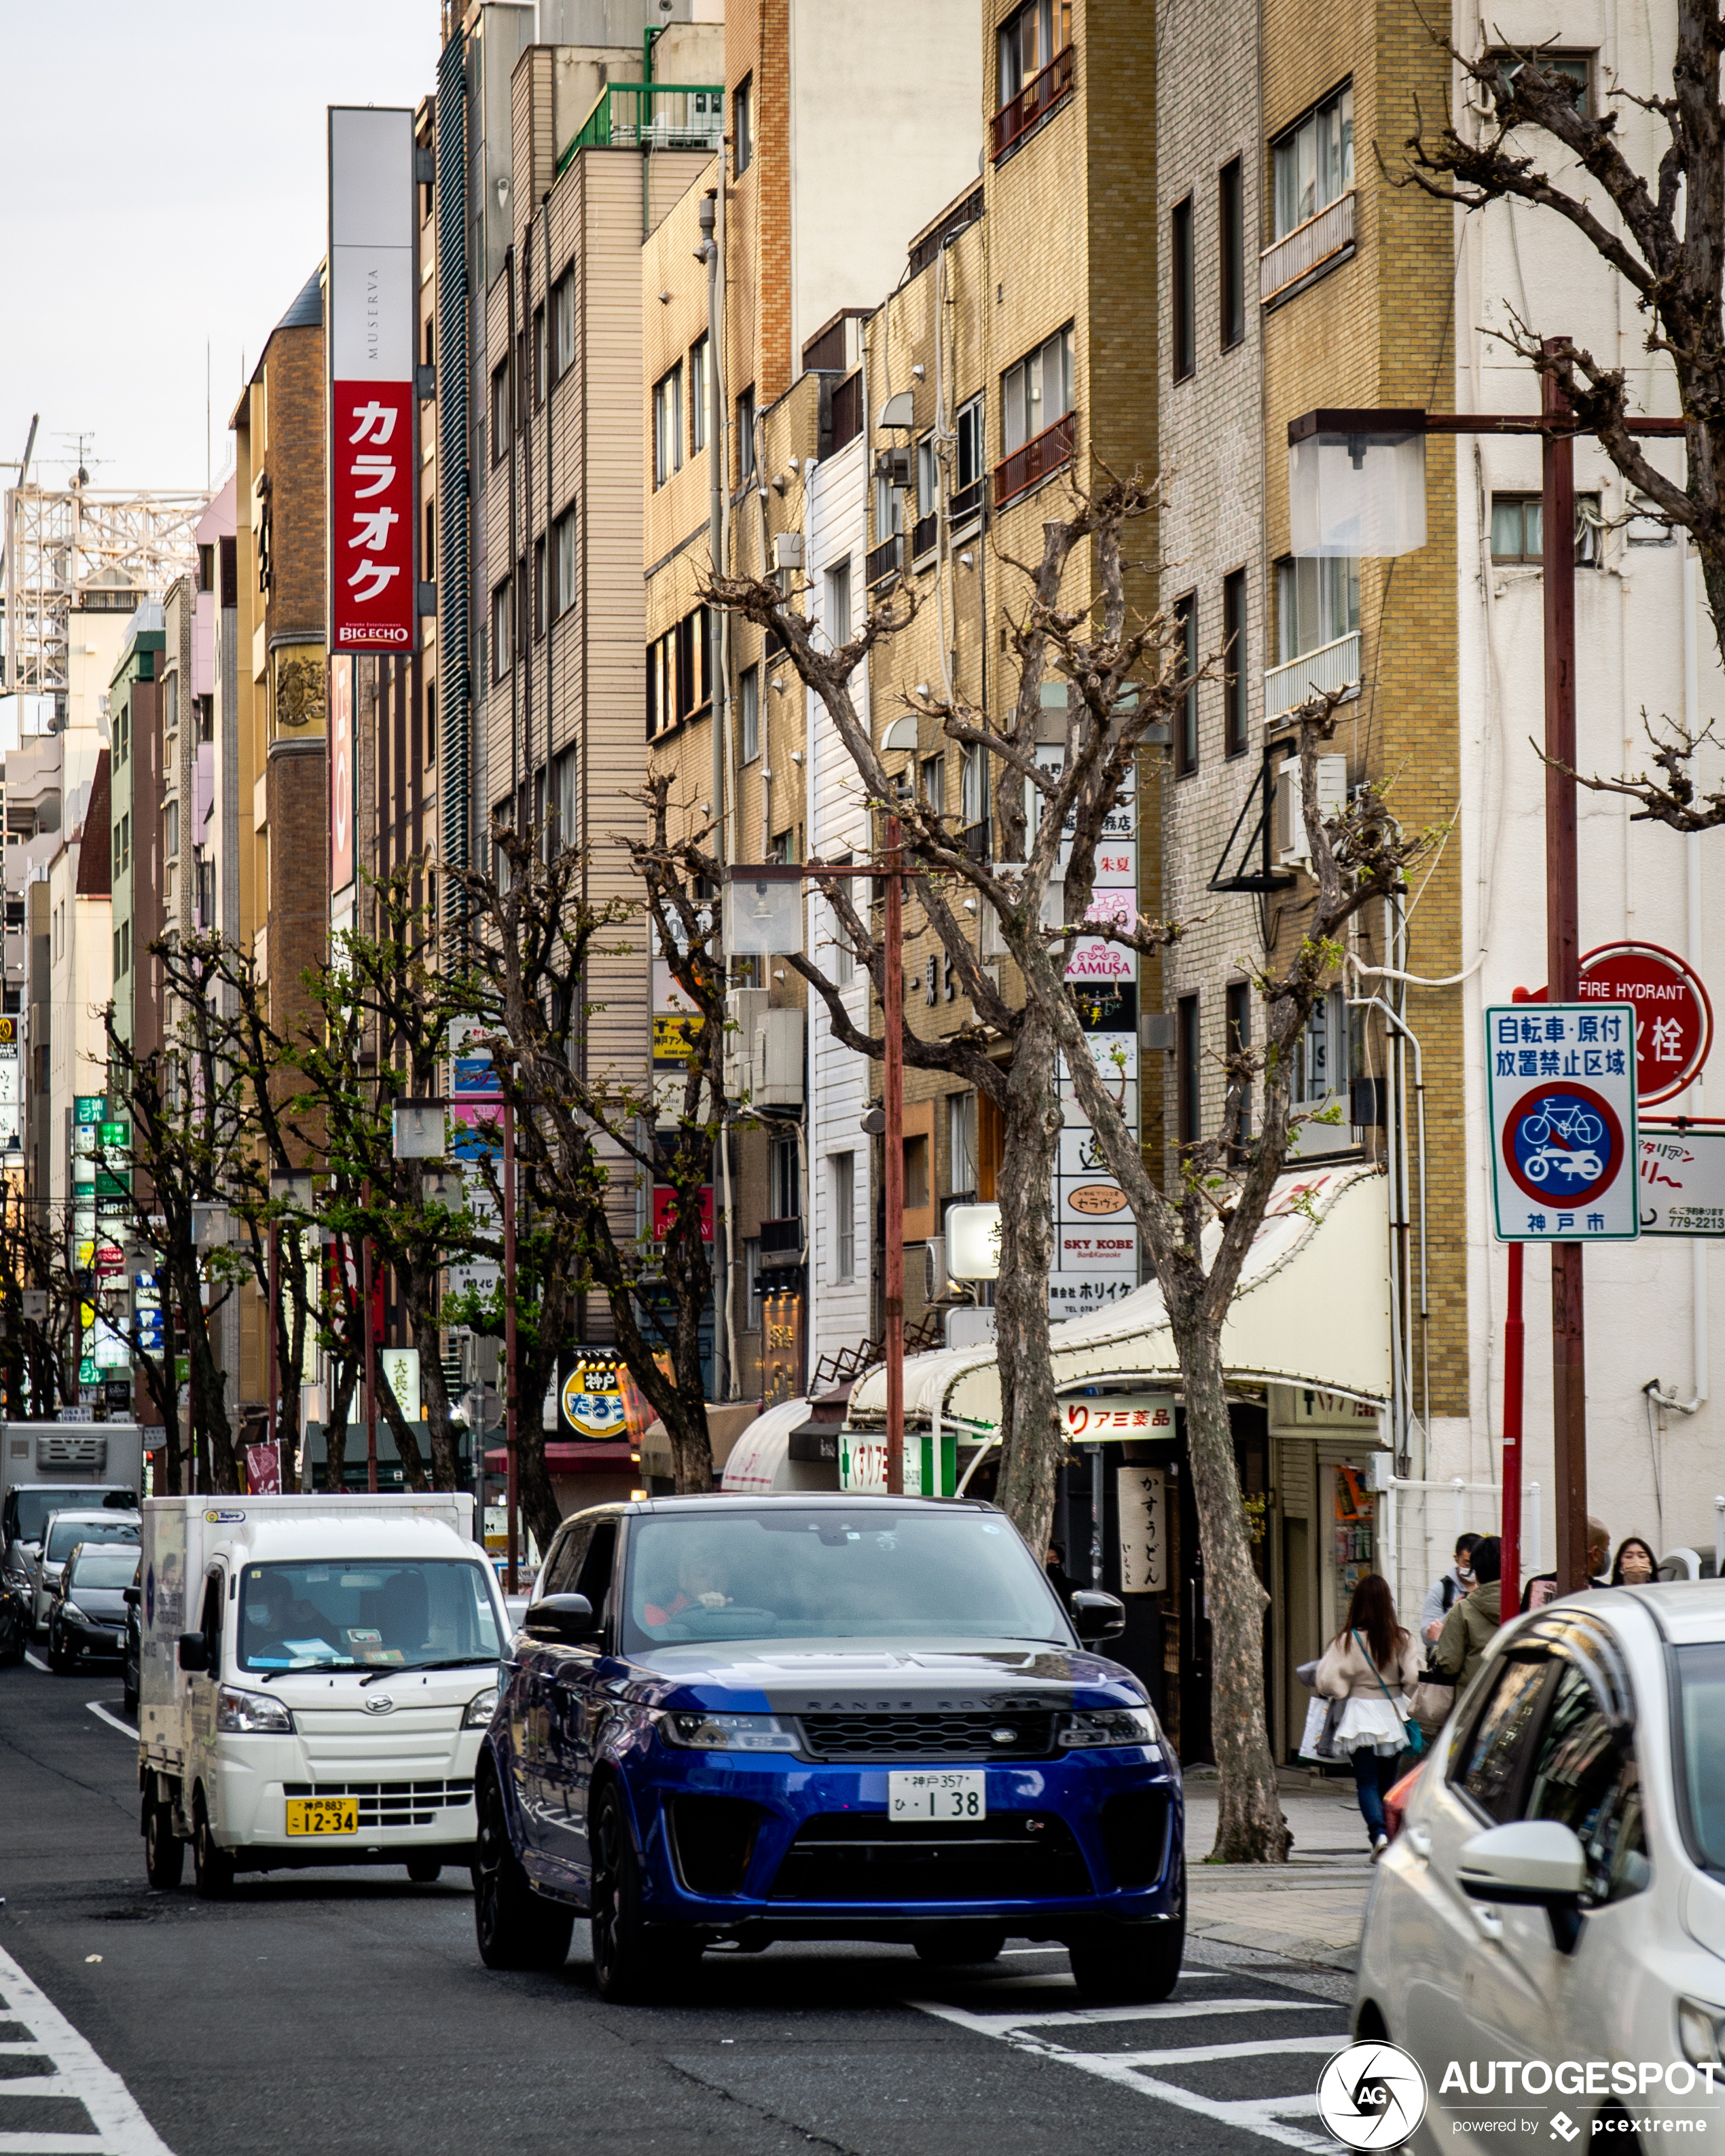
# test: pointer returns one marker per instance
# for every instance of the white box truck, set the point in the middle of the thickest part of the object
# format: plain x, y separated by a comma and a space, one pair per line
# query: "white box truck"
60, 1466
316, 1675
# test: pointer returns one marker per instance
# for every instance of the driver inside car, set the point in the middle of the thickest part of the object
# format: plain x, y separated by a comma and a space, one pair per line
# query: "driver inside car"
274, 1616
701, 1581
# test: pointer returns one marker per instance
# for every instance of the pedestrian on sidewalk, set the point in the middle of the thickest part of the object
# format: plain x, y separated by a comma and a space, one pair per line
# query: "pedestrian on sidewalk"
1636, 1566
1442, 1597
1372, 1664
1543, 1587
1470, 1626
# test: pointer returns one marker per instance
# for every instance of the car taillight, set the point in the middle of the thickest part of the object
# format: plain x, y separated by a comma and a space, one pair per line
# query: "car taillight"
1395, 1801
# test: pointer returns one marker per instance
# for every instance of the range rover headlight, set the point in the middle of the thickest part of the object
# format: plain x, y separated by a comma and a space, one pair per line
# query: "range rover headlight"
1091, 1727
699, 1731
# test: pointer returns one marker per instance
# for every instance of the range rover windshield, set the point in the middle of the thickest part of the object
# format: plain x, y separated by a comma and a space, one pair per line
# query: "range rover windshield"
830, 1575
388, 1613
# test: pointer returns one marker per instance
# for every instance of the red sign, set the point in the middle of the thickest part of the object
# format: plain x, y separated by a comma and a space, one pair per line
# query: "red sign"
263, 1471
665, 1211
371, 521
1674, 1019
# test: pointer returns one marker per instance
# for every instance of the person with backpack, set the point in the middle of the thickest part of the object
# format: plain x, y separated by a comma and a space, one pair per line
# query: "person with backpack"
1469, 1627
1372, 1665
1444, 1593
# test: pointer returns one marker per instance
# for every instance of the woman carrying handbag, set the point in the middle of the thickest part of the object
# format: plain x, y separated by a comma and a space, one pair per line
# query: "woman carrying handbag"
1372, 1667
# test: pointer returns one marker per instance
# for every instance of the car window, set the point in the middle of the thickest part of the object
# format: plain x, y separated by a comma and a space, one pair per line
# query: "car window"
593, 1580
1585, 1774
64, 1536
104, 1567
1489, 1761
1701, 1683
563, 1566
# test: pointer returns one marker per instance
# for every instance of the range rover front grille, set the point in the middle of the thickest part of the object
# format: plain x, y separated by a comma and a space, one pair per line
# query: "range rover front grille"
948, 1738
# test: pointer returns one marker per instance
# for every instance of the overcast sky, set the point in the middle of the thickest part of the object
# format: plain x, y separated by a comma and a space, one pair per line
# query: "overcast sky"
162, 184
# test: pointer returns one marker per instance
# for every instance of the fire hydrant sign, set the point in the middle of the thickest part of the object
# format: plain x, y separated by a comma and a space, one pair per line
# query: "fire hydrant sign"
1561, 1085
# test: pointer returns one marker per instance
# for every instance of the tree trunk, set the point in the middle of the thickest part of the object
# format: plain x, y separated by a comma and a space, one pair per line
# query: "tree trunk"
1030, 1445
1250, 1826
434, 1392
208, 1388
335, 1429
539, 1503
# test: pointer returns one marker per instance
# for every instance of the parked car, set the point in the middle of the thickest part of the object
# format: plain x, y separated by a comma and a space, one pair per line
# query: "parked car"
14, 1621
62, 1532
87, 1616
812, 1716
133, 1660
1556, 1893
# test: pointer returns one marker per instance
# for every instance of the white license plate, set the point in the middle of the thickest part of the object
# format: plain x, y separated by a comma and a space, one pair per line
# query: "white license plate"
956, 1794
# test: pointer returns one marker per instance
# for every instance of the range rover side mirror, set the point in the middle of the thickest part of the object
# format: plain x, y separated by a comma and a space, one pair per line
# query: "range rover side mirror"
1097, 1616
194, 1651
562, 1620
131, 1596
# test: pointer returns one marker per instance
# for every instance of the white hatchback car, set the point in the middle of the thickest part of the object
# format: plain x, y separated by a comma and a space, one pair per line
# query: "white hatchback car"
1546, 1935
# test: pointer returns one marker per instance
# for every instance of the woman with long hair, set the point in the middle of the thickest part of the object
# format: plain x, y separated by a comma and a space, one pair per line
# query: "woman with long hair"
1372, 1665
1635, 1565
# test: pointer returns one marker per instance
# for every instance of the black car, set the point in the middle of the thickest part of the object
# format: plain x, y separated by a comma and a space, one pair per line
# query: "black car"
133, 1647
14, 1620
88, 1614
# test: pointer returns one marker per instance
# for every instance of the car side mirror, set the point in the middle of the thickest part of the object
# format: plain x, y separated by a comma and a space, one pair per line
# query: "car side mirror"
1097, 1616
131, 1597
194, 1651
562, 1620
1531, 1863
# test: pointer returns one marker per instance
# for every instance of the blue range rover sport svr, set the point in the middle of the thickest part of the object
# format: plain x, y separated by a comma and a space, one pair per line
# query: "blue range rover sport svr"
749, 1719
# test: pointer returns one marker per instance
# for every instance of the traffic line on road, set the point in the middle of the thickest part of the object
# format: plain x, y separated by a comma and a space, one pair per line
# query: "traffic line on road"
78, 2074
36, 1663
113, 1721
1082, 2017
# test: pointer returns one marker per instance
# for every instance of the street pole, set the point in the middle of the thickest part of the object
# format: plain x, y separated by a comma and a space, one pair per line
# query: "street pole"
1514, 1337
274, 1320
513, 1489
893, 1086
371, 1336
1563, 944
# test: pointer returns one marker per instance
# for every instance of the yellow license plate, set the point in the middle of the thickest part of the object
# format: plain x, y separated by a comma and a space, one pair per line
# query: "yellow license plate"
323, 1815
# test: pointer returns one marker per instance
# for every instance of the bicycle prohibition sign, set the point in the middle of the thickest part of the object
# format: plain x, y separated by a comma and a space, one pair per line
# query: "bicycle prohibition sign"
1562, 1143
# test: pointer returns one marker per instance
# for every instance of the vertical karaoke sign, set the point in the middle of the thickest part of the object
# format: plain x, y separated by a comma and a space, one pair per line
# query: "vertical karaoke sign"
370, 354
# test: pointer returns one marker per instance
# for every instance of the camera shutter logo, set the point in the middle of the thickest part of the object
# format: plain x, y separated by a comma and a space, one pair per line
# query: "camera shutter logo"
1371, 2096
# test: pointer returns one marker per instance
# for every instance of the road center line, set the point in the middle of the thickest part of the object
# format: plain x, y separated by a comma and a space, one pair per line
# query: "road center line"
121, 2127
113, 1721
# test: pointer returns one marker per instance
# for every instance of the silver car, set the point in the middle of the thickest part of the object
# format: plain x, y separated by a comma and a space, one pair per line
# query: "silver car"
1546, 1935
61, 1534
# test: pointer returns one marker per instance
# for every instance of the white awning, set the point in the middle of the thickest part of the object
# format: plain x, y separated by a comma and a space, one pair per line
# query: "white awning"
761, 1460
1312, 1308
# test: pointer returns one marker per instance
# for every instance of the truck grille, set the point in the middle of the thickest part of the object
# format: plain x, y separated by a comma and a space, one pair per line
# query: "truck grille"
944, 1736
844, 1856
390, 1804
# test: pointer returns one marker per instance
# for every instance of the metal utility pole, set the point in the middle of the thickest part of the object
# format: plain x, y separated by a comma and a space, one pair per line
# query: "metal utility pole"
893, 1090
511, 1404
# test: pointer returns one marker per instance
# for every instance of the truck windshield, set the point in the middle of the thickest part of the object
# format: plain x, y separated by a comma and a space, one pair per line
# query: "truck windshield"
64, 1536
34, 1505
105, 1567
828, 1575
389, 1612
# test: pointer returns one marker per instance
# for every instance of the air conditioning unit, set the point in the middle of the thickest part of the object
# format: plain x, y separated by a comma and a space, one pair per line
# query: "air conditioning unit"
894, 466
787, 549
763, 1051
1291, 846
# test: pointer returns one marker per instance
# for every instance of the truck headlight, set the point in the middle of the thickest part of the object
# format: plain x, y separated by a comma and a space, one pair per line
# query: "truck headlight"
480, 1708
700, 1731
1107, 1725
1699, 2029
238, 1710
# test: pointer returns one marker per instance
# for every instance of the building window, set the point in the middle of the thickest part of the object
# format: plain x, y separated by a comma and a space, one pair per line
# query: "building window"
1182, 272
1186, 1070
699, 391
563, 589
431, 722
541, 356
1518, 530
1314, 161
566, 801
745, 436
427, 552
838, 603
784, 1180
1575, 68
1316, 602
562, 326
500, 412
1237, 1021
844, 957
843, 1174
171, 831
742, 125
122, 734
748, 704
1317, 1066
122, 845
934, 784
1234, 680
677, 667
967, 501
668, 424
502, 630
1186, 718
1034, 67
1037, 392
122, 950
542, 594
961, 1143
972, 787
1230, 221
917, 1191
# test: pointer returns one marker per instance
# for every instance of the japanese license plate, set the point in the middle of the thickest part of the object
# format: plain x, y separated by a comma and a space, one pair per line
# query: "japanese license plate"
323, 1815
951, 1793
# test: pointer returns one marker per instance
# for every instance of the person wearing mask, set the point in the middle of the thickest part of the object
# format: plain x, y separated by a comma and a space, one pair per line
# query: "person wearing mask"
1442, 1596
1055, 1565
1636, 1564
1473, 1620
1543, 1587
1373, 1664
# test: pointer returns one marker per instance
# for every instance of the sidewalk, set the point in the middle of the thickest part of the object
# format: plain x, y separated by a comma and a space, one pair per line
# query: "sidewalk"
1310, 1908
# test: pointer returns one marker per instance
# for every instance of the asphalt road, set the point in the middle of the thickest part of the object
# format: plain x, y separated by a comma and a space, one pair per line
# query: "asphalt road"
342, 2010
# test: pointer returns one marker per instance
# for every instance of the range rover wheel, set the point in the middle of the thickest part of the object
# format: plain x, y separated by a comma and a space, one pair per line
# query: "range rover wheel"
164, 1852
424, 1871
952, 1946
632, 1966
516, 1928
212, 1868
1131, 1961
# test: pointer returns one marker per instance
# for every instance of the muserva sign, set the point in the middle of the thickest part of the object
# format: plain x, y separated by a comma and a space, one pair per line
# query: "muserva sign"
369, 356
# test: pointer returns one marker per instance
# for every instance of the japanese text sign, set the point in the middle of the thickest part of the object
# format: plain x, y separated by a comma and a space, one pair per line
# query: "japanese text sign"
1681, 1178
1561, 1081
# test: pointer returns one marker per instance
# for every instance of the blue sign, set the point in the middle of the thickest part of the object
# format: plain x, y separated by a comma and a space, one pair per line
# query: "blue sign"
1561, 1080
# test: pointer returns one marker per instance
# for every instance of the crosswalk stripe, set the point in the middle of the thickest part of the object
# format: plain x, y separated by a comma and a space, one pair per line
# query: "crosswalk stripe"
1085, 2017
121, 2127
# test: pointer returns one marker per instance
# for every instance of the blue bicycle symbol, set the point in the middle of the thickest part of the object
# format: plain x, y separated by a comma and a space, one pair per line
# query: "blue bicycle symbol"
1578, 1131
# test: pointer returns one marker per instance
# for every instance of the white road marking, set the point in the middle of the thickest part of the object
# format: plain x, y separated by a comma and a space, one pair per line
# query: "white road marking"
1084, 2017
113, 1721
122, 2129
37, 1664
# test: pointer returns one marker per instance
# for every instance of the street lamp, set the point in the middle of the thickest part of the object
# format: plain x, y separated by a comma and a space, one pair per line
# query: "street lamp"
1356, 485
290, 1186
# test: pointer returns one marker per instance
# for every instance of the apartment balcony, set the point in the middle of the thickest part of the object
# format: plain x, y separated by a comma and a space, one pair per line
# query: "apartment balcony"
782, 1242
1322, 239
658, 116
1333, 665
965, 505
885, 561
1043, 453
924, 533
1039, 95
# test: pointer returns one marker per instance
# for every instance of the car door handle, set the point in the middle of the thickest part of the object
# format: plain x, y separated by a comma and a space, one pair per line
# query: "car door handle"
1488, 1919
